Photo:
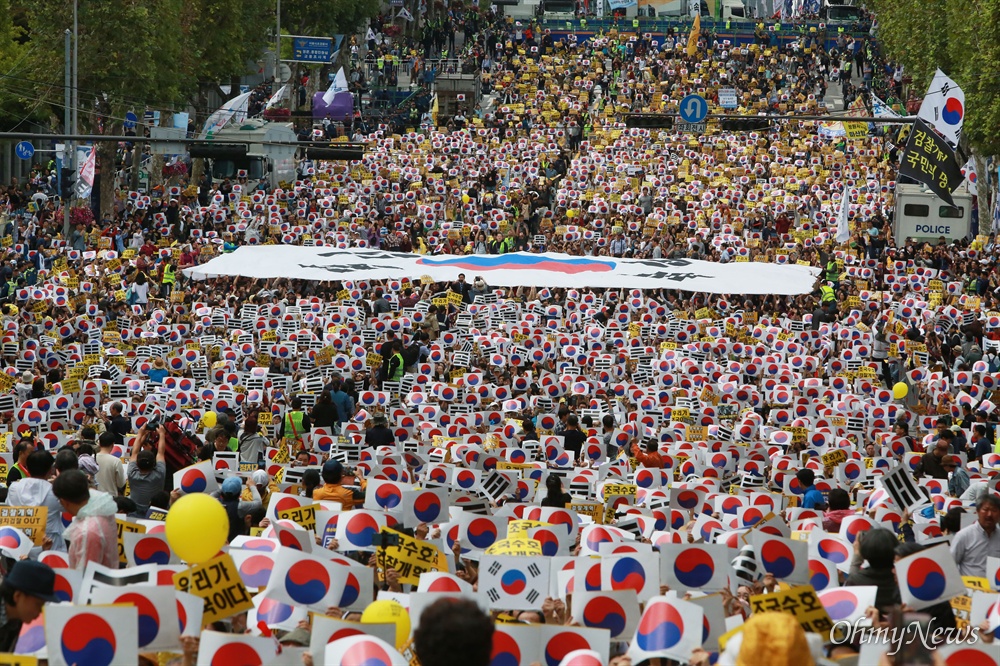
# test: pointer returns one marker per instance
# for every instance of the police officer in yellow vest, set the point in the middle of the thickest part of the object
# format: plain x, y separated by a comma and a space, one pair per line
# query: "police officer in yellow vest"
827, 294
397, 366
169, 278
295, 425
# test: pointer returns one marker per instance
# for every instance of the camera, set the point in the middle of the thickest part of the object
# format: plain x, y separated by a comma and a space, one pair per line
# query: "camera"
153, 423
385, 540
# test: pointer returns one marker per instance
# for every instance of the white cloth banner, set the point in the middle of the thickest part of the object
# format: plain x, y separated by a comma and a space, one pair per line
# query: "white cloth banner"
843, 215
517, 269
277, 97
85, 179
236, 107
621, 4
338, 85
882, 110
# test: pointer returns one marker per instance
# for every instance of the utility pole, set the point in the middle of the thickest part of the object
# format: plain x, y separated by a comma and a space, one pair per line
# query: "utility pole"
66, 121
76, 93
277, 47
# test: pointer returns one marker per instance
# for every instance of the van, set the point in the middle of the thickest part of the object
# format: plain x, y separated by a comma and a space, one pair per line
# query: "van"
923, 216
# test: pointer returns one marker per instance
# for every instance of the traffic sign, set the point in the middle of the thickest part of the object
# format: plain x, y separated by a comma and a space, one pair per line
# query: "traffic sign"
727, 98
693, 109
131, 120
24, 150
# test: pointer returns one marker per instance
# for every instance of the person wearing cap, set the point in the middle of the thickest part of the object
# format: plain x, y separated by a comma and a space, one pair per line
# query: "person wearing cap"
238, 509
333, 489
93, 534
25, 589
147, 470
958, 478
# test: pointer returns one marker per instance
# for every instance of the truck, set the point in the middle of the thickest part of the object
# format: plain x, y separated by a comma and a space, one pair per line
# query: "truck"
263, 150
924, 216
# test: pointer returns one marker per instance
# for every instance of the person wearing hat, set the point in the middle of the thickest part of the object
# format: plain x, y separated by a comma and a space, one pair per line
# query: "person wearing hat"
25, 589
158, 372
23, 387
379, 433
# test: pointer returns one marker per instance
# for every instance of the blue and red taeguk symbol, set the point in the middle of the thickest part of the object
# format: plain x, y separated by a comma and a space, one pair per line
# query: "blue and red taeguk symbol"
777, 559
482, 533
604, 613
562, 644
832, 550
427, 507
513, 582
366, 653
694, 568
256, 570
388, 495
506, 651
926, 579
88, 639
307, 582
660, 628
628, 573
149, 619
360, 529
151, 550
953, 111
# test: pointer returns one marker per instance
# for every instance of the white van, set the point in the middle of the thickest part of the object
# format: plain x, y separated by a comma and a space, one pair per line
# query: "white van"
922, 215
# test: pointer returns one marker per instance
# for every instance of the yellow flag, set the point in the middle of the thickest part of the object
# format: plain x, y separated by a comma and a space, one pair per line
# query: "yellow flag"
693, 37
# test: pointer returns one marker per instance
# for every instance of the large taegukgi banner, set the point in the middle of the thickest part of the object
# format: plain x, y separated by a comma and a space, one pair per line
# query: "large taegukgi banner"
516, 269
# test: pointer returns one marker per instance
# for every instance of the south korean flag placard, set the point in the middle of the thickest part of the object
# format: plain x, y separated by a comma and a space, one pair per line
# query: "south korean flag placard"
512, 582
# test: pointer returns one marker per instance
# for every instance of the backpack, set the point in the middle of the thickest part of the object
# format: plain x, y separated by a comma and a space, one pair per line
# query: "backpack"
411, 355
993, 361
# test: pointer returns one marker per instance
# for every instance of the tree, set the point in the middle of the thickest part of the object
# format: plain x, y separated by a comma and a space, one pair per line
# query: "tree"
963, 40
15, 93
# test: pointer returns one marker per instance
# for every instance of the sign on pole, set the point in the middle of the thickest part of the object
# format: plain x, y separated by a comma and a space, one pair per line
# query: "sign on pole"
311, 49
24, 150
694, 109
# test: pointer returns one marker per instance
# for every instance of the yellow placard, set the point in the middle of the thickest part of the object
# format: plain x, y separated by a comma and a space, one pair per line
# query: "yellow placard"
521, 547
834, 457
302, 515
593, 509
123, 527
801, 602
518, 529
28, 519
218, 582
411, 557
620, 489
8, 659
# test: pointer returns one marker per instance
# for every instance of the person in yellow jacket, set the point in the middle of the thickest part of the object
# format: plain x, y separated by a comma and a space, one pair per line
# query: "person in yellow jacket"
169, 279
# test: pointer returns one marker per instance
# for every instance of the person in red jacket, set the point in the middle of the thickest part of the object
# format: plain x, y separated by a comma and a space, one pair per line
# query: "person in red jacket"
648, 458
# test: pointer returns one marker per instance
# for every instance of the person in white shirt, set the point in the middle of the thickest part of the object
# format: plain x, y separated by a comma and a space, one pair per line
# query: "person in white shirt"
973, 544
37, 491
111, 472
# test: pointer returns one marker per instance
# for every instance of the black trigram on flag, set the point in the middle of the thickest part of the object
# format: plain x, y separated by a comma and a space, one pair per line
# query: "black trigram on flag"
493, 595
902, 488
534, 570
531, 596
495, 568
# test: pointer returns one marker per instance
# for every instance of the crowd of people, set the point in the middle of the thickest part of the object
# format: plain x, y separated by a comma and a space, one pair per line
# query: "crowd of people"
596, 414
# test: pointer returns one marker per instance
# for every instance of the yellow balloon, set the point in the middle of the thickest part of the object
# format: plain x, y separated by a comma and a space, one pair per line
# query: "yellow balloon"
197, 527
571, 214
465, 198
384, 611
900, 390
210, 419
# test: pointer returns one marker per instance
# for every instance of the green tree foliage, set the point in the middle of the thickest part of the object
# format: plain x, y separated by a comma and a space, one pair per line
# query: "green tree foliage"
17, 99
960, 38
324, 18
